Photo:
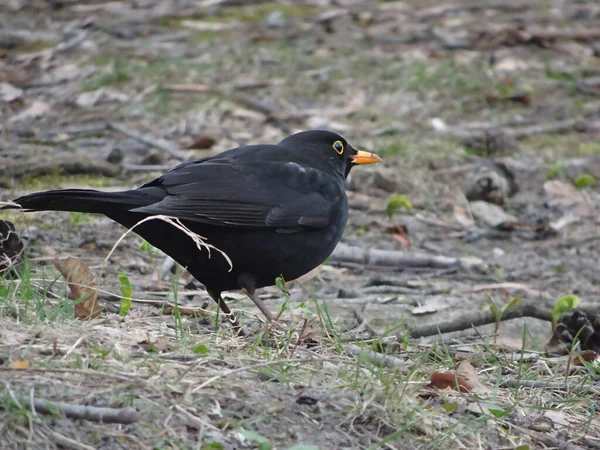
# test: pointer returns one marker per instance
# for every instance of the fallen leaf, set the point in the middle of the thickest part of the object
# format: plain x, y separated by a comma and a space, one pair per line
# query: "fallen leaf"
158, 345
400, 233
202, 142
587, 356
311, 334
37, 109
82, 285
9, 93
557, 417
492, 215
564, 221
463, 218
20, 364
560, 189
447, 380
466, 370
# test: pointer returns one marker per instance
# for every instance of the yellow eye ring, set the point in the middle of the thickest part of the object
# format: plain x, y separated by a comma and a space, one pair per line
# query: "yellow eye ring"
338, 146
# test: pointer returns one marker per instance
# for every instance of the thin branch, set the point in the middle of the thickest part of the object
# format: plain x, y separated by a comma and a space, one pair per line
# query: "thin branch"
375, 358
398, 259
481, 318
125, 415
160, 144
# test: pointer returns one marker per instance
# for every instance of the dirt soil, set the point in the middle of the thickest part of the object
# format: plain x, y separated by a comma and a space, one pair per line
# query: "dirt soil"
487, 116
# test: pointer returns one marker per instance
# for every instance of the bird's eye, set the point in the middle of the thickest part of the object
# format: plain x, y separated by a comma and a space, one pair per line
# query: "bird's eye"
338, 146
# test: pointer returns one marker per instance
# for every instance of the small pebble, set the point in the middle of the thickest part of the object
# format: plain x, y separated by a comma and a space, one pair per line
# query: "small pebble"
276, 19
498, 252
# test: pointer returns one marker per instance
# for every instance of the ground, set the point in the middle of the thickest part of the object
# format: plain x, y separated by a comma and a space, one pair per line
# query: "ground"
110, 94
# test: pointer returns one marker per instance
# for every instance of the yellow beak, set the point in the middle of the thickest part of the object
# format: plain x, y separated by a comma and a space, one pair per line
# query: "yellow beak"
365, 158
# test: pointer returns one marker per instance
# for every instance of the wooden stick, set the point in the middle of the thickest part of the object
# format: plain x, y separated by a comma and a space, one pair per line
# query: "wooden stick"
125, 415
160, 144
480, 318
375, 358
373, 256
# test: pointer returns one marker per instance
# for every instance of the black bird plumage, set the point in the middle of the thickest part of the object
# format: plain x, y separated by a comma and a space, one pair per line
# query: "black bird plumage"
273, 209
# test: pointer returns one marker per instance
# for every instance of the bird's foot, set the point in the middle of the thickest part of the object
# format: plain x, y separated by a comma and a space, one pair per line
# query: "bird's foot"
272, 323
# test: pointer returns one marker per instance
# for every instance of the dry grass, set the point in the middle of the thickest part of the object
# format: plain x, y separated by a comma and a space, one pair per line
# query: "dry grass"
197, 386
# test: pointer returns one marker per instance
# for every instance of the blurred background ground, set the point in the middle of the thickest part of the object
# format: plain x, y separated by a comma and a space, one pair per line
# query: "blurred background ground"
487, 115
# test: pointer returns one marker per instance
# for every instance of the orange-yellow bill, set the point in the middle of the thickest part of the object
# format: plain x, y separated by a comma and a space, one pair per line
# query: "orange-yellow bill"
365, 158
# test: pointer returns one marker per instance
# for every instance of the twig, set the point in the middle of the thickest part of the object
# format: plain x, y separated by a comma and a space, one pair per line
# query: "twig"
62, 440
452, 8
481, 318
535, 384
523, 132
361, 322
438, 223
125, 415
86, 373
506, 286
68, 164
243, 99
146, 167
552, 441
536, 36
160, 144
375, 358
246, 368
372, 256
561, 126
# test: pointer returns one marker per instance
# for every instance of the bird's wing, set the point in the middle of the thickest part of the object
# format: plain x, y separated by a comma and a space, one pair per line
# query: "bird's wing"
280, 195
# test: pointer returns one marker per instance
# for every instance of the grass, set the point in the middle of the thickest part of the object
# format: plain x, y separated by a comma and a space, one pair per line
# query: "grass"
155, 358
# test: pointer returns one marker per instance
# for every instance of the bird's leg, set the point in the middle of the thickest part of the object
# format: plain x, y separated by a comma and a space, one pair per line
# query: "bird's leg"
259, 303
248, 285
228, 313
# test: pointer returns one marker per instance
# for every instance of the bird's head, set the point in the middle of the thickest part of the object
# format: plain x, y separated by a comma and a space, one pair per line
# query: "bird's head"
321, 149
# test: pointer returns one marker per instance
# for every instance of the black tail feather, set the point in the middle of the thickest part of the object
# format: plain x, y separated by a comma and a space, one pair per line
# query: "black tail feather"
85, 200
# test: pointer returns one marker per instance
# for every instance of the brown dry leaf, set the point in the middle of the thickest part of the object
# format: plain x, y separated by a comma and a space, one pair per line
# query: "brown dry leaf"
467, 371
311, 334
447, 380
161, 345
400, 233
557, 417
587, 356
202, 142
81, 283
561, 189
20, 364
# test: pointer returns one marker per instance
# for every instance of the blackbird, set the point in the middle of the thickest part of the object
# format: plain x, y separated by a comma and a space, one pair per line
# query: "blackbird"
274, 210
